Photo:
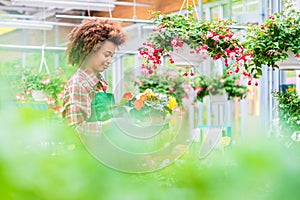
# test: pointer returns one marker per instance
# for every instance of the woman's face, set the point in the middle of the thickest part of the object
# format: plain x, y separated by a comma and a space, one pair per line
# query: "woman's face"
101, 59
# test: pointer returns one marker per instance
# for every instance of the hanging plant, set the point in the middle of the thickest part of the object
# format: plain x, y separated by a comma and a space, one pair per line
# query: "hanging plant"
32, 82
211, 38
229, 84
271, 41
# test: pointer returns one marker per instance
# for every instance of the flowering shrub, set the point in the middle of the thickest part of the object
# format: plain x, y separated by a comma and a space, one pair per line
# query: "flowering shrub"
270, 41
211, 38
52, 85
204, 86
288, 110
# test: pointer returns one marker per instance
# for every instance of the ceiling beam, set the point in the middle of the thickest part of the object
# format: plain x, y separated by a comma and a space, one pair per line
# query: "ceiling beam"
64, 4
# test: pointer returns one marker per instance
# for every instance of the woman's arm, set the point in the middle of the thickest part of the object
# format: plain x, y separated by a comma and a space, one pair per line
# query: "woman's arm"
77, 110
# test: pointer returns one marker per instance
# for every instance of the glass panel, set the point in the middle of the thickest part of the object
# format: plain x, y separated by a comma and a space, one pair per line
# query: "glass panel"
225, 8
215, 12
237, 8
252, 5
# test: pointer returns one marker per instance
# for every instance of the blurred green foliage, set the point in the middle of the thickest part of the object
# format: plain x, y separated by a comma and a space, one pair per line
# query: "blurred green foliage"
42, 158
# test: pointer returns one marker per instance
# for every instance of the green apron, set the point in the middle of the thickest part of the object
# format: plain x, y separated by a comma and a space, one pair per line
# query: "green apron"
101, 106
101, 111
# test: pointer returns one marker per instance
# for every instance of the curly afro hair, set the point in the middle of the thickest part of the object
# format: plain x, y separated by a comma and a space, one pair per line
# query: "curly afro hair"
90, 36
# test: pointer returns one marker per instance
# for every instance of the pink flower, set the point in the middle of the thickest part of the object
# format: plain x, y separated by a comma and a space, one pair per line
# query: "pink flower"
50, 100
233, 36
248, 57
28, 91
241, 62
216, 38
232, 55
176, 42
45, 81
198, 89
60, 95
21, 97
209, 34
204, 47
171, 90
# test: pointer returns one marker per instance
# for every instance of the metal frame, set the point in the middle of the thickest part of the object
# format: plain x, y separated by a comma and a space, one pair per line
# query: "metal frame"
25, 24
112, 19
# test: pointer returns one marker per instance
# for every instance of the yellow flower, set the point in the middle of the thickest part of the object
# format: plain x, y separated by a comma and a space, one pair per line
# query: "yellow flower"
172, 102
172, 121
291, 89
149, 93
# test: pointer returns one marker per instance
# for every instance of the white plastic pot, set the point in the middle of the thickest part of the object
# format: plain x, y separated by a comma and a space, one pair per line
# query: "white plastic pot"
182, 56
38, 95
291, 63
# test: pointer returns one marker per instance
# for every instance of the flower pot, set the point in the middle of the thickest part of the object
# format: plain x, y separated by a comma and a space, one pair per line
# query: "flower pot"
38, 95
291, 63
148, 117
218, 97
185, 56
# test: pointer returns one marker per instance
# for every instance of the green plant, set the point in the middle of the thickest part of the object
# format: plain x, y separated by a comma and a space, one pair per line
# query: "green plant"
288, 111
51, 84
270, 41
230, 84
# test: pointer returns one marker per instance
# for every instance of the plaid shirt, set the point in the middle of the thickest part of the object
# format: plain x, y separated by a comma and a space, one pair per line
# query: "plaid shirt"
78, 95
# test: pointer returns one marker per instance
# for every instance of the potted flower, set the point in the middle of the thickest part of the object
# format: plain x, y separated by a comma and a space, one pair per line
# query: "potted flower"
204, 38
169, 83
146, 108
274, 40
41, 86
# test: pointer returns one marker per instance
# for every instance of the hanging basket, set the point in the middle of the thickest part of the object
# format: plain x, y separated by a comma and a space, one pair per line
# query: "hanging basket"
214, 98
291, 63
185, 56
38, 95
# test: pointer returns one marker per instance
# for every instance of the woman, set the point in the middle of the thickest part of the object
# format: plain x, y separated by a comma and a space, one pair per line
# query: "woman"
91, 47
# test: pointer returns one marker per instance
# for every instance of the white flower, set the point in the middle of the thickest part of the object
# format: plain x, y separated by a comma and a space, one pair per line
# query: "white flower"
233, 37
241, 62
216, 38
248, 58
163, 97
232, 55
209, 35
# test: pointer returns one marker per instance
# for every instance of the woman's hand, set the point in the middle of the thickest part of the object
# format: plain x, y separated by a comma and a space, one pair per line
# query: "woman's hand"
106, 125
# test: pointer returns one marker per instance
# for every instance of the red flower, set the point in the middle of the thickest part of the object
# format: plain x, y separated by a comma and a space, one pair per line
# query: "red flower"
127, 95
